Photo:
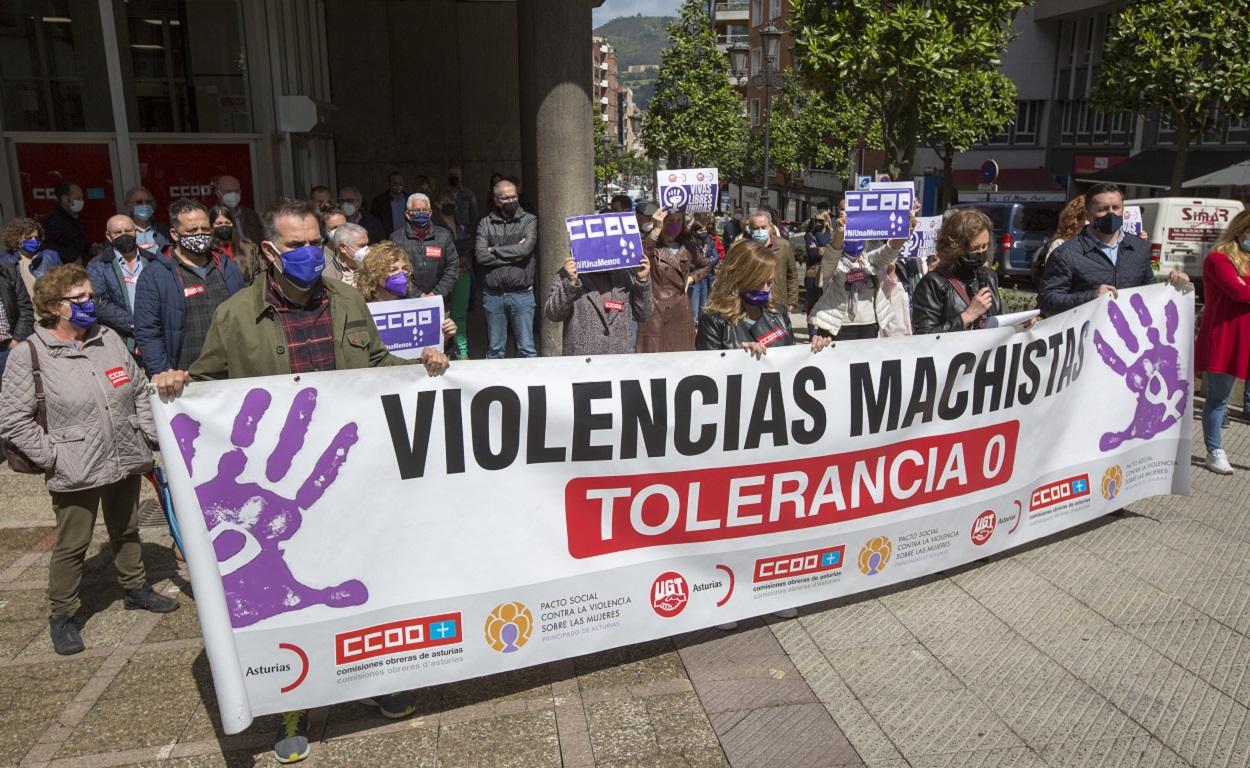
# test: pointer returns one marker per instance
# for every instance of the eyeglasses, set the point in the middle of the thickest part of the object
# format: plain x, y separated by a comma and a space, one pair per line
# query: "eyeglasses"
143, 202
508, 199
79, 300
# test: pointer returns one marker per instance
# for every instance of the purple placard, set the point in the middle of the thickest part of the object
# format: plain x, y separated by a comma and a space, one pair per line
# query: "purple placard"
604, 241
408, 326
878, 214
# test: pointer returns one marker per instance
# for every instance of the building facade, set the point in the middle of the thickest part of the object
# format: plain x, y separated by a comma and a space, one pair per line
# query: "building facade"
286, 94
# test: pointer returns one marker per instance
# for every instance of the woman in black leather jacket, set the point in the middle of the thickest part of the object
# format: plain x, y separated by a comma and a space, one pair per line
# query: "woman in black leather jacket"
961, 292
741, 312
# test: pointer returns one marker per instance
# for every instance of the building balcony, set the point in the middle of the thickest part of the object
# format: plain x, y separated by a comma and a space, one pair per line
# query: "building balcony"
603, 99
728, 40
603, 65
733, 11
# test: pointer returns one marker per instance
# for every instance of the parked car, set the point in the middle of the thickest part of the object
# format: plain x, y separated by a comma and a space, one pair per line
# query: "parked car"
1019, 230
1182, 230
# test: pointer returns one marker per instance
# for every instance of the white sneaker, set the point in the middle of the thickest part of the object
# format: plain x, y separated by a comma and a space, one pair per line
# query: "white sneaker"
1217, 462
787, 613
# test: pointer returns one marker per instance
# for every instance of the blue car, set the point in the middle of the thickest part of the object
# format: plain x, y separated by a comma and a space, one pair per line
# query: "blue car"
1019, 230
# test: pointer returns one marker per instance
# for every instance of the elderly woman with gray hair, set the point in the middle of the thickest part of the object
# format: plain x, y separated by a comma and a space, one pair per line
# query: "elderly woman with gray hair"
74, 406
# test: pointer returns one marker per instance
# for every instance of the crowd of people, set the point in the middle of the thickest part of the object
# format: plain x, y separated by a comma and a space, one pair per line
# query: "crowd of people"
226, 292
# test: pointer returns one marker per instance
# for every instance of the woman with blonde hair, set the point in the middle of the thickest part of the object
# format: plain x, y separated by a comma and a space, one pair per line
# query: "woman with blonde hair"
386, 275
742, 312
1222, 352
961, 292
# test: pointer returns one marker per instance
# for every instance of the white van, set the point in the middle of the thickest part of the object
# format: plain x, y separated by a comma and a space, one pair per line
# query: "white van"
1182, 230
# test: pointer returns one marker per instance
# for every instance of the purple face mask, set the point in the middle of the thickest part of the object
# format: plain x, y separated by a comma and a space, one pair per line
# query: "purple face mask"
852, 248
397, 284
757, 298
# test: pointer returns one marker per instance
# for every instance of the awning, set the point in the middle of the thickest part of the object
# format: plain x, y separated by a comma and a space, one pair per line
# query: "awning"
1237, 175
1153, 168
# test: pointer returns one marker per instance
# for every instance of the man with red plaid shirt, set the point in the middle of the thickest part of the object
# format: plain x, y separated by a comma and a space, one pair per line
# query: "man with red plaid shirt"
292, 320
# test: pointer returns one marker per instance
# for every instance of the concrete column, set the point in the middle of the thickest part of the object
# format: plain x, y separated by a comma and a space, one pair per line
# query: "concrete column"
558, 165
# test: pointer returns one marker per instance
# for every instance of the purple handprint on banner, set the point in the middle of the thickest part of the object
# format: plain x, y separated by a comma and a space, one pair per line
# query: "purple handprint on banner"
1156, 376
248, 522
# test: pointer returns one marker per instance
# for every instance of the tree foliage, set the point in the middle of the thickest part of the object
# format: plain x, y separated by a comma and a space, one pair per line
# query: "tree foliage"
889, 55
973, 110
1183, 58
813, 130
696, 117
607, 161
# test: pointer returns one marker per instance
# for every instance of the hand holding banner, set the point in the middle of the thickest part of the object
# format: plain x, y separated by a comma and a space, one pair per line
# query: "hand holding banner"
408, 326
604, 241
688, 190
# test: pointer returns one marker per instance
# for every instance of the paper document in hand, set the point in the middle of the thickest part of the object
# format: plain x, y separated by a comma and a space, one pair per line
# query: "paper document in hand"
1012, 318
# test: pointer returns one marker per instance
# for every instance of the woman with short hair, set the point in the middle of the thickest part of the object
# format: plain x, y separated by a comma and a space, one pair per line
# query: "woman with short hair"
386, 275
23, 248
93, 444
961, 292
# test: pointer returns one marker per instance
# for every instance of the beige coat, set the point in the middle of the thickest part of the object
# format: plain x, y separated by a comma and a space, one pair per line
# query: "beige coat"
99, 419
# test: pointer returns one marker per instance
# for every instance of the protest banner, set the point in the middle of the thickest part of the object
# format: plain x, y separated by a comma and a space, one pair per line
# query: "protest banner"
688, 190
879, 214
408, 326
1132, 220
355, 533
604, 241
922, 243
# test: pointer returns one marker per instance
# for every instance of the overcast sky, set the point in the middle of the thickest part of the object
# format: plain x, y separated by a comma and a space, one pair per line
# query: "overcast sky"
613, 8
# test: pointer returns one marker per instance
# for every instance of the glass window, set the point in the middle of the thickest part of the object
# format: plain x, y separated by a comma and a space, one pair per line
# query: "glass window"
755, 112
1039, 218
757, 58
757, 12
52, 71
186, 65
774, 8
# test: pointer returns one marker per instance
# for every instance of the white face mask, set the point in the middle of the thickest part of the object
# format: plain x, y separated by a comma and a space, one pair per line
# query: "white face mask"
75, 206
349, 209
231, 199
360, 254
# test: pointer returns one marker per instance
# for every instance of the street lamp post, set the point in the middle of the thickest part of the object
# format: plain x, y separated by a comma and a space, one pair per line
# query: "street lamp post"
768, 79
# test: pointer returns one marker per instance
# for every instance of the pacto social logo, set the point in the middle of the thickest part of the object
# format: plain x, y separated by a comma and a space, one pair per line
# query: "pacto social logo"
508, 627
1156, 376
874, 555
1059, 491
669, 594
983, 527
1112, 482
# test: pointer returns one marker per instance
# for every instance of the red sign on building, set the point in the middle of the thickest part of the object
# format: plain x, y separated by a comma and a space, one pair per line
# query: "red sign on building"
42, 166
1087, 164
171, 171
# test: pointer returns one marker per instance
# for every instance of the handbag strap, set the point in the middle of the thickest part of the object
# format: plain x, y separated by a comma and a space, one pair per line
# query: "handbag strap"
41, 408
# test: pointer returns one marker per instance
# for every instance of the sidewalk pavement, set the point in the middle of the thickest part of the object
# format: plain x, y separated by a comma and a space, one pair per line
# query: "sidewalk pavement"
1125, 642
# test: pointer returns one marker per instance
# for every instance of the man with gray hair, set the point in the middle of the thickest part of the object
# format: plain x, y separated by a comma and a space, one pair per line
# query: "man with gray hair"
348, 247
786, 280
351, 202
431, 250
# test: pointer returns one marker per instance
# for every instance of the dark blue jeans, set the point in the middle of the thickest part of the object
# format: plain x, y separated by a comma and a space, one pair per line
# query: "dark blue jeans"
515, 308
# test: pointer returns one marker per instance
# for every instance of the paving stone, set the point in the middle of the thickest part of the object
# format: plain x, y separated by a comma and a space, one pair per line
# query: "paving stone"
656, 661
1015, 757
863, 624
620, 731
114, 725
796, 735
416, 747
1101, 753
1209, 649
1062, 708
15, 543
940, 722
182, 624
525, 740
893, 670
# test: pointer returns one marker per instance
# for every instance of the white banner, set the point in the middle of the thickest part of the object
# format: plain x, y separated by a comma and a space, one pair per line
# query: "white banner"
355, 533
688, 190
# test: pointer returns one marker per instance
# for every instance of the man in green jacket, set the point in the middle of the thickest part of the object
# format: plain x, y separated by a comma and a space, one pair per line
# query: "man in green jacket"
291, 320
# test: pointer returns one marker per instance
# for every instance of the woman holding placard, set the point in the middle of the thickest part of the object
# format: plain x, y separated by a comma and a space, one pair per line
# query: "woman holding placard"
677, 262
386, 275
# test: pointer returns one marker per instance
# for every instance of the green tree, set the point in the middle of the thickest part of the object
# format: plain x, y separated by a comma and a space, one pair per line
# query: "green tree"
973, 110
607, 161
888, 55
696, 117
1183, 58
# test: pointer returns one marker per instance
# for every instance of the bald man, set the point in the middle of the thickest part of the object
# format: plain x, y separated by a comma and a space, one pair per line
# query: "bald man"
230, 194
114, 275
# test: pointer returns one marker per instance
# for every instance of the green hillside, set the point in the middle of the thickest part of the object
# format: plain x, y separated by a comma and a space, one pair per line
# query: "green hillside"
637, 39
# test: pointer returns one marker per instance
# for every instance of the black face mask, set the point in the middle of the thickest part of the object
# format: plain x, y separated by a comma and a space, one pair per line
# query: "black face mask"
448, 208
510, 209
453, 181
125, 243
969, 263
224, 232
